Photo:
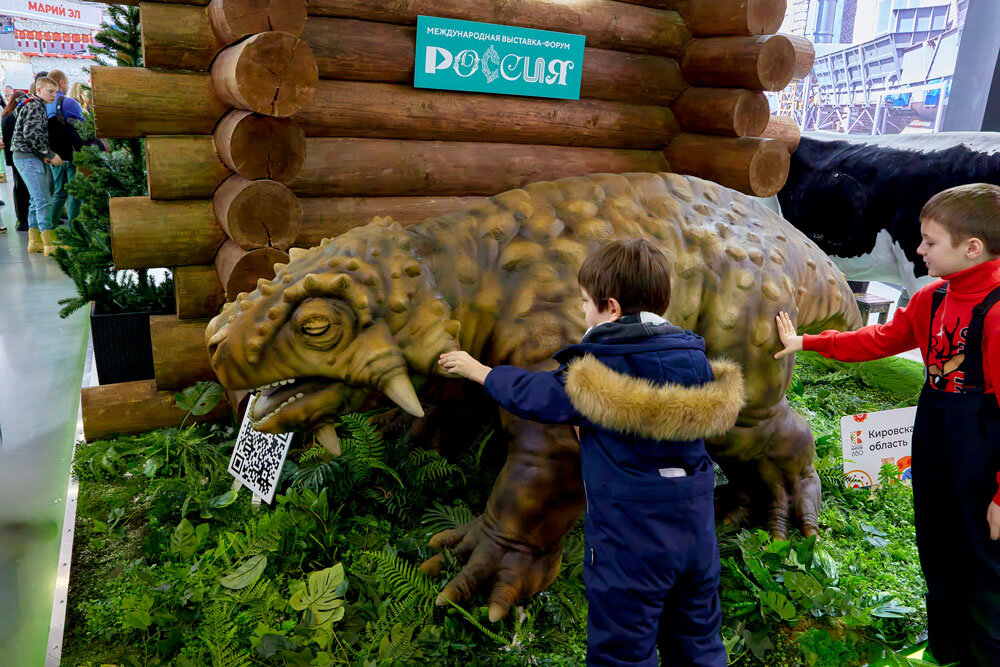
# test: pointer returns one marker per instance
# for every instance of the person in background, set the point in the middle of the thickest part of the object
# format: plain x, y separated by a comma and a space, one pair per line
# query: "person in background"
30, 145
7, 120
7, 92
61, 143
82, 96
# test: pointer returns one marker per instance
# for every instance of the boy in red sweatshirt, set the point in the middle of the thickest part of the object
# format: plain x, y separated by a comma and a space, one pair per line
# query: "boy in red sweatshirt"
956, 435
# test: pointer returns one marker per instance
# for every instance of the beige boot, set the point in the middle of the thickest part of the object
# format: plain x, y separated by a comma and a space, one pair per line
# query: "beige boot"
34, 240
49, 239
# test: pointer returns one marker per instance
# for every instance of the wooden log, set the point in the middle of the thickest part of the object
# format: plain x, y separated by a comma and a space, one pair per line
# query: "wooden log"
785, 130
183, 167
179, 37
147, 233
322, 217
327, 218
389, 111
257, 214
751, 165
197, 291
705, 18
135, 407
606, 24
383, 167
233, 20
134, 102
757, 63
351, 108
358, 166
272, 73
176, 36
180, 356
239, 269
256, 146
733, 112
805, 56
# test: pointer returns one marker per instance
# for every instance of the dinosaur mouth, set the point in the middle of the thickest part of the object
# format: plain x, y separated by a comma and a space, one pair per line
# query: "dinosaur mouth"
289, 403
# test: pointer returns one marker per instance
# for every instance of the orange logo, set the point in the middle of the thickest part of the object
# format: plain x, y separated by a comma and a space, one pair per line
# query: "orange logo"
858, 478
860, 418
855, 437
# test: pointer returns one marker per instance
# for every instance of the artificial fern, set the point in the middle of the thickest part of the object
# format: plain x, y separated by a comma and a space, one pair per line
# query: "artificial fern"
440, 518
218, 632
427, 467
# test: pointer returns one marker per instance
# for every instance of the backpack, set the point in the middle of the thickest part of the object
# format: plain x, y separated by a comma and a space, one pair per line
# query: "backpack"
64, 140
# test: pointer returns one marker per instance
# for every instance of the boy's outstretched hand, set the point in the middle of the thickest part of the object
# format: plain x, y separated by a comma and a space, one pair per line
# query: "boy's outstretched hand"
786, 333
993, 517
462, 364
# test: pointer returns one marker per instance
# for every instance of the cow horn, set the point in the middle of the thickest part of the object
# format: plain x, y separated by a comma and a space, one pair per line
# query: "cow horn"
401, 391
327, 436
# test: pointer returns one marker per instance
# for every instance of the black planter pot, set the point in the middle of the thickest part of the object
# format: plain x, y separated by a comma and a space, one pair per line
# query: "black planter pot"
122, 348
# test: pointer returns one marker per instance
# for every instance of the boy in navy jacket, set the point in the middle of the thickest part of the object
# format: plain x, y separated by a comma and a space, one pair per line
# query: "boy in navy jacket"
643, 396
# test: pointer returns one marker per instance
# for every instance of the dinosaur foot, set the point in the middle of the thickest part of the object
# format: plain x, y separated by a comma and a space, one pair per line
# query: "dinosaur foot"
513, 570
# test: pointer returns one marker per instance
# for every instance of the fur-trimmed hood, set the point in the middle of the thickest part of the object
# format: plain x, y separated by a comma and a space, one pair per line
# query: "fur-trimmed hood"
662, 412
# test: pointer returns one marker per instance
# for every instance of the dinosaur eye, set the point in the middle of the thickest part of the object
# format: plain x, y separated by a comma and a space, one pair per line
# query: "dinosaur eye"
322, 324
316, 325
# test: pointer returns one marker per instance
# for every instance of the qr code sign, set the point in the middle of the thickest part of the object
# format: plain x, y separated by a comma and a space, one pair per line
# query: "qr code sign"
258, 458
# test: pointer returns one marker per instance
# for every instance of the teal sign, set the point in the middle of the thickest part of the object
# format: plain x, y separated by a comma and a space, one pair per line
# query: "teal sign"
488, 58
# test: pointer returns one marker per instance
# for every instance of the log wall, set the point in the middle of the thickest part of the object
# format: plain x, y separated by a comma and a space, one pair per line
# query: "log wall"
276, 124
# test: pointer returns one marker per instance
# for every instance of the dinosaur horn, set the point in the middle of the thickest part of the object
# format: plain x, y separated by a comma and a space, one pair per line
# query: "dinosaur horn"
327, 436
400, 390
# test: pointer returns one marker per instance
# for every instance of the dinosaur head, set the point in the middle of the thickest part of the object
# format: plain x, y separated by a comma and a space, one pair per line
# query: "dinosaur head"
353, 317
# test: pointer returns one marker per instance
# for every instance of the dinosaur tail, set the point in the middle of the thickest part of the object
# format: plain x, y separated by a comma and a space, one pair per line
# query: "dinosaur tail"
825, 301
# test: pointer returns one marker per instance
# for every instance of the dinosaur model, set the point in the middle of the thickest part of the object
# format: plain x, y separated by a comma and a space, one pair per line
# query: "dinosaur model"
369, 312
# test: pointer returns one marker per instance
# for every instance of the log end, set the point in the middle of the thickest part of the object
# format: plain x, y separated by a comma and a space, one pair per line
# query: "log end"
256, 146
768, 168
764, 17
805, 56
240, 269
751, 114
272, 73
233, 20
776, 63
258, 214
784, 129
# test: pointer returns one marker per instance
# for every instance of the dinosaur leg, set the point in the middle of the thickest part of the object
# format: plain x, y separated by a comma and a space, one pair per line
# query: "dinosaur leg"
515, 546
786, 481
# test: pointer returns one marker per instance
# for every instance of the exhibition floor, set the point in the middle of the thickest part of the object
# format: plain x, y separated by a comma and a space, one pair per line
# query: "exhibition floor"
41, 367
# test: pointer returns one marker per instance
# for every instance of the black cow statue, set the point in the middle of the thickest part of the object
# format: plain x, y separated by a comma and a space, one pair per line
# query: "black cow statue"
859, 197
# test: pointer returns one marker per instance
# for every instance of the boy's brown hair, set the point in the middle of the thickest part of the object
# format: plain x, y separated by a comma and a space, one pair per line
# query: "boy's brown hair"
58, 77
45, 81
968, 211
634, 272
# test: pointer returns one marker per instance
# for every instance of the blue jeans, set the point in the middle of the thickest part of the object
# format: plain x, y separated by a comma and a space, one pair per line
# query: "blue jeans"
61, 175
32, 171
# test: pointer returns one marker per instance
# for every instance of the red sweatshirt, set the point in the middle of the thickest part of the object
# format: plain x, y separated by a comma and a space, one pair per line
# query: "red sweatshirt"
909, 328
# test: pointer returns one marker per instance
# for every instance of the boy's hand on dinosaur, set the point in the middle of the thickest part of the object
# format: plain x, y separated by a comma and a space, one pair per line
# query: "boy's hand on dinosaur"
462, 364
787, 335
993, 518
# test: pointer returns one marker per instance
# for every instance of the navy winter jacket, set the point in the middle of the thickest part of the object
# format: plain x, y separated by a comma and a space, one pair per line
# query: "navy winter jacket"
644, 395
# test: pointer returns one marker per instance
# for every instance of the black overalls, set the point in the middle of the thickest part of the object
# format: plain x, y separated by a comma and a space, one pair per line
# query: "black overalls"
956, 455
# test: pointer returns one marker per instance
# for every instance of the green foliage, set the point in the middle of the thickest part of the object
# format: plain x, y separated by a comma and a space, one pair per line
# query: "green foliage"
119, 41
330, 574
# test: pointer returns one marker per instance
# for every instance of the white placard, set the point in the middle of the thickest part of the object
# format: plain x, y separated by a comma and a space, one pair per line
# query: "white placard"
873, 439
258, 457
